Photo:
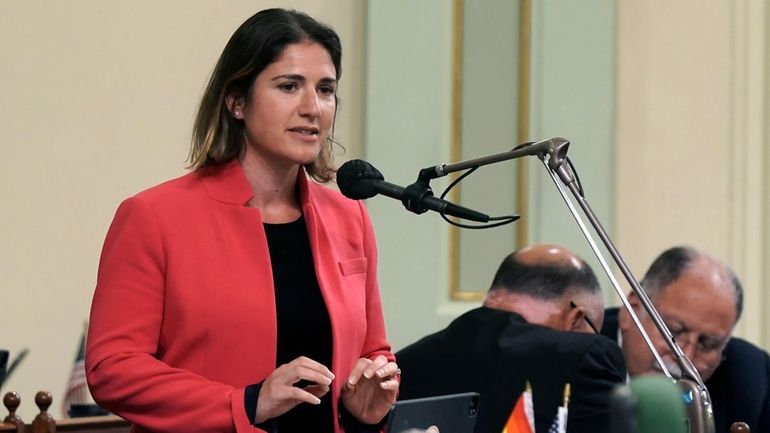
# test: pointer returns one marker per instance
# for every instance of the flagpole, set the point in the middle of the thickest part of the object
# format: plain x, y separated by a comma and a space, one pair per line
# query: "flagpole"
566, 394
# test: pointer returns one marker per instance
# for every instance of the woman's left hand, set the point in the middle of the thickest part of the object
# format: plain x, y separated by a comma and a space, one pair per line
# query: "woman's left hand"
371, 389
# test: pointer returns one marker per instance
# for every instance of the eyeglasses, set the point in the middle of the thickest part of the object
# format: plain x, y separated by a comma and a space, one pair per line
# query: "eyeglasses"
707, 346
586, 318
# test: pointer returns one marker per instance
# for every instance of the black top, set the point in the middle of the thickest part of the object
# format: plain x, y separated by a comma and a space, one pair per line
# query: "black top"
304, 328
739, 387
495, 352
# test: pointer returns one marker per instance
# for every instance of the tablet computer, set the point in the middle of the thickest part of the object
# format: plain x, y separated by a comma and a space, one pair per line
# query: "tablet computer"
453, 413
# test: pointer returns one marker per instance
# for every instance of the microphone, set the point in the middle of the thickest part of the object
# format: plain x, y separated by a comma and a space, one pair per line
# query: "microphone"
649, 404
359, 180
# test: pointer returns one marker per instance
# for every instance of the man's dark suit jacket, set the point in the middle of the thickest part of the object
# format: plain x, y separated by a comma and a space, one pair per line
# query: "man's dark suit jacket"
495, 352
740, 386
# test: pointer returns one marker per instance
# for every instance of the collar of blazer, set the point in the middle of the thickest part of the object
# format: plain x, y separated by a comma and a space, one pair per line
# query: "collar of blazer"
227, 183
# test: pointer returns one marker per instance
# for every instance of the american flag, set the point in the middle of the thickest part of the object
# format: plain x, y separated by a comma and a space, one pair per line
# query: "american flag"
559, 424
77, 388
560, 421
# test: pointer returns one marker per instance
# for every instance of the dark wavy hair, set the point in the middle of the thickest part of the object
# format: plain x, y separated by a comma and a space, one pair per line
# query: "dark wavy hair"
217, 136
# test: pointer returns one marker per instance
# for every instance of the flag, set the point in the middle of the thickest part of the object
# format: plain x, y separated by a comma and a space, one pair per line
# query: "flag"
522, 418
76, 391
560, 421
559, 424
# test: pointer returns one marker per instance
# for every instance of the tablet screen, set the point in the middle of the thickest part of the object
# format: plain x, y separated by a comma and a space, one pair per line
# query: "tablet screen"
453, 413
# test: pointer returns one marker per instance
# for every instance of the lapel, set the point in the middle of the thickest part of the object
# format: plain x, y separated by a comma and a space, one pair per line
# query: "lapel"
226, 183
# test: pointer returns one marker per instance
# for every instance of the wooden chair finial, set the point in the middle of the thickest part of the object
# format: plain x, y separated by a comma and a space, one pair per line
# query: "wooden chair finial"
11, 401
740, 427
44, 422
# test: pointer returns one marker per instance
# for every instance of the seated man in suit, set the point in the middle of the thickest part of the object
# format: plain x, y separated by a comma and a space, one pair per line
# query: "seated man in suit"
700, 300
535, 325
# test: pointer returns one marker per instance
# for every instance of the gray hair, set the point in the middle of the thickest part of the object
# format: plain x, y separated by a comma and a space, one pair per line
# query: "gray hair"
672, 263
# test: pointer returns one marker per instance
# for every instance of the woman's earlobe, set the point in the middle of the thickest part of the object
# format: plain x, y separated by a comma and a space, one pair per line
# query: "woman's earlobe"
234, 105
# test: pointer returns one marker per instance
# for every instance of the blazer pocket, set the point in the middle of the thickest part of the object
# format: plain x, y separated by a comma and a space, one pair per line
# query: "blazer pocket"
353, 266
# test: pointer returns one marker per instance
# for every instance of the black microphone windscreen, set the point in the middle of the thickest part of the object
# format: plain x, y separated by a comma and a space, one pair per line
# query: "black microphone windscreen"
357, 179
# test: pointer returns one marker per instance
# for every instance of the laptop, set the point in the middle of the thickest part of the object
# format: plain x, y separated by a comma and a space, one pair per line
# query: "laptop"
452, 413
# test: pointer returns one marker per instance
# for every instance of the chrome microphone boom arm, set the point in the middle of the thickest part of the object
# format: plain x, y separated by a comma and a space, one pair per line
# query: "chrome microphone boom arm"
553, 154
699, 408
554, 160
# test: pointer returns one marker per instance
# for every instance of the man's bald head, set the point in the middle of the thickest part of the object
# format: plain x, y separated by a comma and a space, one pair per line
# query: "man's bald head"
548, 255
548, 285
544, 272
670, 265
698, 298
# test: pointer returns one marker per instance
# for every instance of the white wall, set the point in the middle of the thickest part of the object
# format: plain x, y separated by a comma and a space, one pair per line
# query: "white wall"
408, 108
573, 96
666, 108
408, 120
692, 138
98, 100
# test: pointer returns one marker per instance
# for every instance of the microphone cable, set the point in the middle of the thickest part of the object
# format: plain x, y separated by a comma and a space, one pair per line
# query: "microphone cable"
501, 220
506, 219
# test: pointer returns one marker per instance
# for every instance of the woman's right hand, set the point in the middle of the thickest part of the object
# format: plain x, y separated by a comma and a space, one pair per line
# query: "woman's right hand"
278, 393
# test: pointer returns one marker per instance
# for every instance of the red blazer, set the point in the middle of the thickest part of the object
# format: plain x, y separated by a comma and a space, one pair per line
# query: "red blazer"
183, 316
